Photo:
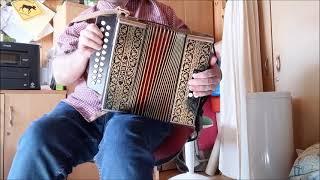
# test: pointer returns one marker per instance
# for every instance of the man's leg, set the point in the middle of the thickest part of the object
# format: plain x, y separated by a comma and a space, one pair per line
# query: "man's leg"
126, 150
55, 143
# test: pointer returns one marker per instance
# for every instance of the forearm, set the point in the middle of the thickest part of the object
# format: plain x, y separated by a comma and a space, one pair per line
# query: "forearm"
69, 67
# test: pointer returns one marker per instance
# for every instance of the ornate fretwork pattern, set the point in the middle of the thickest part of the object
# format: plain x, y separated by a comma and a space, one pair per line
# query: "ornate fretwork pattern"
196, 57
115, 67
124, 64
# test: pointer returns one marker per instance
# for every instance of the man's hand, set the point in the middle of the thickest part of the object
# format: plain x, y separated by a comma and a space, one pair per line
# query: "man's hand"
205, 82
70, 67
90, 40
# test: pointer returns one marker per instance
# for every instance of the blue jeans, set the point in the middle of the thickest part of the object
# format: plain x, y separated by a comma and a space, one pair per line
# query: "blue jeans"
121, 145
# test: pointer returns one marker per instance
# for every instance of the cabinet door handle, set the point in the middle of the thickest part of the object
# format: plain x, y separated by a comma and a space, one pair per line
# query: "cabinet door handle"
278, 63
266, 66
11, 116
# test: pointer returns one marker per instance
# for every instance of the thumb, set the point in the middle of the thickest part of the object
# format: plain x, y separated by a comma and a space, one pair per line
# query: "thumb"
213, 61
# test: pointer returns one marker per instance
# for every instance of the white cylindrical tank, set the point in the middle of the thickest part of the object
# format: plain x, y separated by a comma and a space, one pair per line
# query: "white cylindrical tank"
270, 135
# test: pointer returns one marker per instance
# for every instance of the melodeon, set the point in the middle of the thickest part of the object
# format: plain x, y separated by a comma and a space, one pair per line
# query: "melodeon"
143, 69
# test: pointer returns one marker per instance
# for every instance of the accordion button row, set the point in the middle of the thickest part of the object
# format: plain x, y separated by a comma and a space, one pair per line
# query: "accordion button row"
96, 77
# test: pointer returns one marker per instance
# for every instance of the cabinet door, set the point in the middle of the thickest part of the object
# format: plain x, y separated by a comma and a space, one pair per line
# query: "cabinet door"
20, 110
295, 31
266, 45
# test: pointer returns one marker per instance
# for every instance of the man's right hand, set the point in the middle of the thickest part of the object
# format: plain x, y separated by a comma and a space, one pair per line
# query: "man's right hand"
70, 67
90, 40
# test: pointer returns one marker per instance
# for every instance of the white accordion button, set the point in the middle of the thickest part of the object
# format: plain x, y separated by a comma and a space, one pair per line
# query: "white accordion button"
100, 70
95, 71
190, 95
99, 81
94, 77
106, 40
106, 34
104, 52
104, 46
101, 64
97, 53
96, 60
95, 65
99, 75
103, 23
108, 27
102, 29
93, 82
103, 58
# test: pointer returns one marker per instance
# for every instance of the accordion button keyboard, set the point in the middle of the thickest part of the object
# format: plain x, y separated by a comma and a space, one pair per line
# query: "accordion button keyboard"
96, 60
101, 64
100, 70
95, 71
99, 75
95, 65
103, 58
190, 95
104, 52
106, 34
99, 81
103, 23
102, 29
108, 27
93, 82
94, 77
104, 46
97, 53
106, 40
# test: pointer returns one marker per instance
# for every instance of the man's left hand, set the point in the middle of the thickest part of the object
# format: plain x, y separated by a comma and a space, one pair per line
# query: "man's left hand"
205, 82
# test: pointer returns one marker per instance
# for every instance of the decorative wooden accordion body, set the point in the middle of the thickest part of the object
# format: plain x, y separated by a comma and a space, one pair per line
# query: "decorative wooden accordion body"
143, 68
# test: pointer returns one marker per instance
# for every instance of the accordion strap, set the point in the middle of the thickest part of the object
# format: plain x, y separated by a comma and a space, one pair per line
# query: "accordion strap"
118, 10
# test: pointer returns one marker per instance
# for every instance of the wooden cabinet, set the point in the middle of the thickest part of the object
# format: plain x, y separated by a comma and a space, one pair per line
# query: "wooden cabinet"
290, 58
17, 110
198, 15
266, 45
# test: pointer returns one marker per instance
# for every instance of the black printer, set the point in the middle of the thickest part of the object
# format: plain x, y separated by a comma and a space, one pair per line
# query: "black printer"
19, 66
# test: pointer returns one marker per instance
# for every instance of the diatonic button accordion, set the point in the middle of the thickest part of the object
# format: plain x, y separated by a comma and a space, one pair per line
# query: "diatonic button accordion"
143, 68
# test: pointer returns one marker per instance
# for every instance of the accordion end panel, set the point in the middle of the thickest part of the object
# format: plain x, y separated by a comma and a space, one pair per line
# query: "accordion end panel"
195, 58
123, 70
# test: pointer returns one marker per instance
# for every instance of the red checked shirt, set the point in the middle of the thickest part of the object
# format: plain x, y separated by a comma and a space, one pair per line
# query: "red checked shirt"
86, 101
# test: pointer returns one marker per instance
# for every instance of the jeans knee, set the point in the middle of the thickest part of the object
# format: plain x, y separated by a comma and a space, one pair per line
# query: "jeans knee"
124, 125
